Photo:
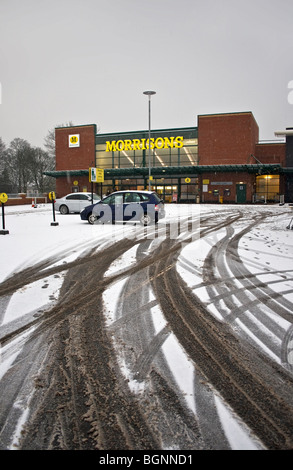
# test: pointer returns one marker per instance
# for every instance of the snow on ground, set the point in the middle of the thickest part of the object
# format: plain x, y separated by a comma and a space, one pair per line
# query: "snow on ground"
32, 239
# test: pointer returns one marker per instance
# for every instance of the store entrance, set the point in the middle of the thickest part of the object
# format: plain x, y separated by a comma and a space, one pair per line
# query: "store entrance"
167, 192
241, 193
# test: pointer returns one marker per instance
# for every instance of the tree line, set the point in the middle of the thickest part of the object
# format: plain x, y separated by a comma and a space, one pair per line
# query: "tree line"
22, 166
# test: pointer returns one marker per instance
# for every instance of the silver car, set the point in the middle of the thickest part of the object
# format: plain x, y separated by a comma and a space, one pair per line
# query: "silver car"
75, 202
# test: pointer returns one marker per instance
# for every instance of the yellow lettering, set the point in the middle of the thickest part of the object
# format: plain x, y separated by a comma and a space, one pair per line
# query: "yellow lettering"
136, 144
127, 145
152, 143
169, 142
179, 142
110, 146
120, 145
159, 144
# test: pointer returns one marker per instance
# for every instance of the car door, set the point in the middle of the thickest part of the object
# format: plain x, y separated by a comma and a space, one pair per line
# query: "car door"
132, 209
72, 202
110, 208
84, 201
117, 207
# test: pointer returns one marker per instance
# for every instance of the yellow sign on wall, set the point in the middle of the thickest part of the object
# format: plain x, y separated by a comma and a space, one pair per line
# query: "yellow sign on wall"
74, 140
143, 144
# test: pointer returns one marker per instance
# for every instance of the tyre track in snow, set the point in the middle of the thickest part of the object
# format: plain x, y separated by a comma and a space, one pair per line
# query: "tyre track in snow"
81, 399
254, 381
252, 296
139, 346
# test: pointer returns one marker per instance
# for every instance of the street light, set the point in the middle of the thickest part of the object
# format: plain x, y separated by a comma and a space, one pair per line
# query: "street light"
149, 94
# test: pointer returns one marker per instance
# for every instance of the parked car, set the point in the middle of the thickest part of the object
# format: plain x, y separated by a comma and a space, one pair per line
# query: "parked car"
75, 202
132, 206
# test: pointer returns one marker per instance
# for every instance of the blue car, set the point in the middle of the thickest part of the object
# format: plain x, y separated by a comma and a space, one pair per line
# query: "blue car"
126, 206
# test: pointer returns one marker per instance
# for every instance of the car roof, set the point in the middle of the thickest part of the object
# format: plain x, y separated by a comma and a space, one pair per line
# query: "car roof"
134, 191
80, 192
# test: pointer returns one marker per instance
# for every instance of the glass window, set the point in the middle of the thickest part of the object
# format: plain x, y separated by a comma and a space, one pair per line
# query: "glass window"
131, 197
131, 149
113, 199
144, 197
267, 188
73, 196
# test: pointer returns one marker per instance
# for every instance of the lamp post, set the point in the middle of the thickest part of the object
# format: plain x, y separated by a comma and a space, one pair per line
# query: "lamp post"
149, 94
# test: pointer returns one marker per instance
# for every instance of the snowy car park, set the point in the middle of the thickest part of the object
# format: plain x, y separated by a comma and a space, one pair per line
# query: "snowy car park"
235, 260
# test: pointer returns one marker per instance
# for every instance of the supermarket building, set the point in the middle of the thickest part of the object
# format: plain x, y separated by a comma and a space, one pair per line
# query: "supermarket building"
220, 160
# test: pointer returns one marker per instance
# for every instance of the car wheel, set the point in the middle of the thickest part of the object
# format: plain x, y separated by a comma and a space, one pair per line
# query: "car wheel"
64, 210
91, 219
146, 219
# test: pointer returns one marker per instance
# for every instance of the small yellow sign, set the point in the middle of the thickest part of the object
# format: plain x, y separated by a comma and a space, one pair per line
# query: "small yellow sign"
75, 183
100, 175
96, 175
3, 198
187, 180
74, 140
52, 196
205, 181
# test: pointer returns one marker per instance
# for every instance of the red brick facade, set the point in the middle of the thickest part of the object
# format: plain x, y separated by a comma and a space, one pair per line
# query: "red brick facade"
232, 139
225, 139
271, 153
74, 158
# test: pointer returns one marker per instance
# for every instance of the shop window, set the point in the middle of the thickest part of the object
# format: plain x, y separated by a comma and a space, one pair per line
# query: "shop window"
267, 188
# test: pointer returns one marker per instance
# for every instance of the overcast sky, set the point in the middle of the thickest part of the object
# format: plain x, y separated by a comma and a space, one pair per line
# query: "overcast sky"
89, 62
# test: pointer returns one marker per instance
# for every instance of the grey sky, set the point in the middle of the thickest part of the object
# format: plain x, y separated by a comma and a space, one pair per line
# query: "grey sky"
89, 61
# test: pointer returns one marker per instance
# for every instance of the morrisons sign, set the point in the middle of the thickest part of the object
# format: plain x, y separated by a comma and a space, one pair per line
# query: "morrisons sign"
143, 144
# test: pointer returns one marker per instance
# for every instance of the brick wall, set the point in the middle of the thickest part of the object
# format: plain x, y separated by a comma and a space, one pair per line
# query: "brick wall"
23, 199
226, 139
271, 153
65, 185
221, 183
74, 158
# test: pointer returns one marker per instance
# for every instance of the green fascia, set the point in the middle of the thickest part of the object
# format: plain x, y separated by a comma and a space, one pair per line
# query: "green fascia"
142, 172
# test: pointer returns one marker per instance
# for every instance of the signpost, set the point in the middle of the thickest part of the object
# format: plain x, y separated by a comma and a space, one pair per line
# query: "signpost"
96, 175
52, 198
3, 199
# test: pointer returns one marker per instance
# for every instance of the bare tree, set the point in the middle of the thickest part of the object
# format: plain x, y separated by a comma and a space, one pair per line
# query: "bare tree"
18, 158
40, 162
49, 141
